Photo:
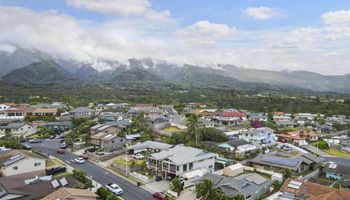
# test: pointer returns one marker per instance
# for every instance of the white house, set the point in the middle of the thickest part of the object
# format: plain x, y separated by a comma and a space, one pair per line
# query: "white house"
180, 159
259, 136
17, 129
14, 162
4, 107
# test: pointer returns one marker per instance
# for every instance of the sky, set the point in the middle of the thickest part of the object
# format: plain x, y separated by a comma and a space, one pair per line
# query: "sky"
311, 35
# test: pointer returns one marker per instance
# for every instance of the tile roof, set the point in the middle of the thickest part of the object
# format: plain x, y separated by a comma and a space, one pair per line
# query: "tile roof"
71, 193
313, 191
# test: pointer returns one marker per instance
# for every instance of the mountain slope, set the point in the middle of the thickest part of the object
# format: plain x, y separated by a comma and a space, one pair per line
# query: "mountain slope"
39, 73
136, 75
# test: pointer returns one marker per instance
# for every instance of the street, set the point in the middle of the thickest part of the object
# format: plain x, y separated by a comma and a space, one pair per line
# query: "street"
99, 174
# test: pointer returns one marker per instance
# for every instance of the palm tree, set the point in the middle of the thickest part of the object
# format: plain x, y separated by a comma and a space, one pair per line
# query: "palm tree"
239, 197
205, 188
192, 126
176, 186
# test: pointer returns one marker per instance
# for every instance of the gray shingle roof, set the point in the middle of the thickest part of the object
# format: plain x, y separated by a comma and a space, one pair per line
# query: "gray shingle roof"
181, 154
150, 144
12, 126
82, 109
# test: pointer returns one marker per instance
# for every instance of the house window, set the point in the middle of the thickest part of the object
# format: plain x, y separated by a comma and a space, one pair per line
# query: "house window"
184, 168
37, 164
191, 166
15, 168
210, 166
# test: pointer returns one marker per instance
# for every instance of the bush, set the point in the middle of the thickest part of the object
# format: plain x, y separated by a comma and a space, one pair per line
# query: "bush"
104, 194
80, 176
323, 144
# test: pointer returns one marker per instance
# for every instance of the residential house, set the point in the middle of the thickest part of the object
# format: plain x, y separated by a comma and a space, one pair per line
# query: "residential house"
71, 194
146, 109
17, 129
4, 107
16, 162
260, 117
283, 120
45, 112
292, 137
335, 171
105, 128
258, 136
179, 159
112, 142
108, 142
238, 147
82, 111
156, 119
295, 189
231, 117
111, 114
64, 125
150, 146
297, 164
207, 123
15, 112
39, 187
251, 185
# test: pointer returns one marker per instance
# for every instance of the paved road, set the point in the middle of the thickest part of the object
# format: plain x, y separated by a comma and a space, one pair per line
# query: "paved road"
341, 161
99, 174
316, 151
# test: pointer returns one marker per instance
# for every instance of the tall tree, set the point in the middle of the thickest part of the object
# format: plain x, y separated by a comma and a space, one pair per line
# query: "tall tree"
176, 186
204, 189
192, 126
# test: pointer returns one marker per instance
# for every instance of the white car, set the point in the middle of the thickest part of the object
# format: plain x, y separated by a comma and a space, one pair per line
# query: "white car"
79, 160
139, 156
114, 188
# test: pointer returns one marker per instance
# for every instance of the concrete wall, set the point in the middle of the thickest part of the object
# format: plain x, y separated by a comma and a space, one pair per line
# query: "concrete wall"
25, 166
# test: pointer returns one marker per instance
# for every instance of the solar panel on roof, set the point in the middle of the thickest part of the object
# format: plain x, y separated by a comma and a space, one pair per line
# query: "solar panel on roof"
280, 161
63, 181
296, 183
55, 183
297, 187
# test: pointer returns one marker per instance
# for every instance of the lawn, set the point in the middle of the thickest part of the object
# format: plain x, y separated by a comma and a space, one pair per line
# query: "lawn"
53, 162
137, 162
172, 129
336, 152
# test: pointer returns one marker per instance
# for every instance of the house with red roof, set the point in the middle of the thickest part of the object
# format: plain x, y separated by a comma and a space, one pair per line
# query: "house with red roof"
292, 137
231, 117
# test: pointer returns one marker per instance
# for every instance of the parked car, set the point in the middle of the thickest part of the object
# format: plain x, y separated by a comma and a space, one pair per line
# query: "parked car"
35, 141
26, 146
79, 160
116, 189
55, 170
160, 196
60, 151
139, 156
63, 145
90, 150
100, 153
85, 156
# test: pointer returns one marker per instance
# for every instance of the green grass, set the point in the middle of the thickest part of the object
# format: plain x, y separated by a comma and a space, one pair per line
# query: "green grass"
60, 175
122, 162
337, 153
172, 129
50, 163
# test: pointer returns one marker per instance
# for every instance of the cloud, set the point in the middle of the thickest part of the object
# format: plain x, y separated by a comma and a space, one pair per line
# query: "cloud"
205, 32
337, 24
122, 8
203, 42
261, 13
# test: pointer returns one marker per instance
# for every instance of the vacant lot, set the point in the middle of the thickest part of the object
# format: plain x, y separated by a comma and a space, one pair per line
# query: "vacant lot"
337, 153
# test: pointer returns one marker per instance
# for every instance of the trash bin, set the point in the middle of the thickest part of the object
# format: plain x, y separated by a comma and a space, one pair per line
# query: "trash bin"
138, 183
